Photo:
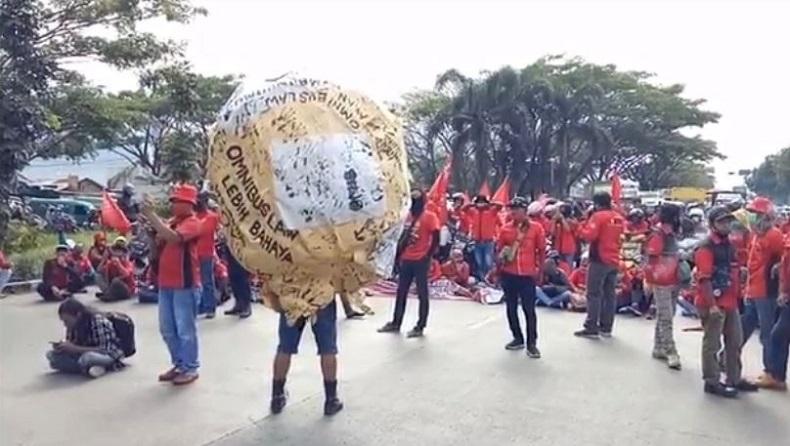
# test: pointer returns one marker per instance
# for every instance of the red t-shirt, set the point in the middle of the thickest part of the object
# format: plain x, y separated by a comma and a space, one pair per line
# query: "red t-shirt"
179, 266
704, 260
765, 249
422, 233
96, 254
122, 269
55, 275
458, 272
4, 264
81, 264
209, 221
579, 278
531, 248
661, 270
603, 231
564, 240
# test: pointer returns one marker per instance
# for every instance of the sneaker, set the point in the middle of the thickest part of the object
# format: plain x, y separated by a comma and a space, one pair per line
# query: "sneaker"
514, 345
415, 332
533, 352
185, 378
333, 406
232, 312
169, 375
389, 327
278, 403
721, 390
244, 314
673, 362
355, 315
585, 333
746, 386
606, 334
658, 354
96, 371
768, 382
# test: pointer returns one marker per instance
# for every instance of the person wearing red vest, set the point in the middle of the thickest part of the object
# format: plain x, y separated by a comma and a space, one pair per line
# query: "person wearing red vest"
460, 214
179, 281
209, 221
661, 273
717, 295
417, 245
116, 279
776, 377
521, 249
483, 218
603, 231
456, 269
762, 286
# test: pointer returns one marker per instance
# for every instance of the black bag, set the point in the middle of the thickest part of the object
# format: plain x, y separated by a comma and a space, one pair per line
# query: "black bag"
124, 330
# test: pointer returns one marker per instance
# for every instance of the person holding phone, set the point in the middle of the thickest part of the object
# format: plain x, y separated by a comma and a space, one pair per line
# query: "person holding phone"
91, 346
116, 279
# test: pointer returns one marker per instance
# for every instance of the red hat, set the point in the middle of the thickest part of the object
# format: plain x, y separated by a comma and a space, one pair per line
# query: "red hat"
184, 192
761, 205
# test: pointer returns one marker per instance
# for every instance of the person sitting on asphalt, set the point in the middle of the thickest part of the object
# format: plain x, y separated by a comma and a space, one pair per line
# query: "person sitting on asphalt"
57, 282
97, 250
555, 290
116, 279
81, 265
717, 295
91, 347
456, 269
5, 272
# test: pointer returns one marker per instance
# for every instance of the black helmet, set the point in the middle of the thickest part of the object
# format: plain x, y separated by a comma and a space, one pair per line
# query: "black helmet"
518, 203
718, 213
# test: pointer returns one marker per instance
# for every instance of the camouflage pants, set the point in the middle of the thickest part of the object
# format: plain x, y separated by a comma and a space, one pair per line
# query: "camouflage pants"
666, 300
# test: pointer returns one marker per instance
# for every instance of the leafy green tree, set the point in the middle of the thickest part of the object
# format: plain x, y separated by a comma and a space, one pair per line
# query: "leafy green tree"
772, 176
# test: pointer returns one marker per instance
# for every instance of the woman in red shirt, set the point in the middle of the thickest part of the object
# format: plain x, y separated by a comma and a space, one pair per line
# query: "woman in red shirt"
521, 249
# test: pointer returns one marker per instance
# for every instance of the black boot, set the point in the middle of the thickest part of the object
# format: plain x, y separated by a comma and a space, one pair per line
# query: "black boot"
333, 404
279, 398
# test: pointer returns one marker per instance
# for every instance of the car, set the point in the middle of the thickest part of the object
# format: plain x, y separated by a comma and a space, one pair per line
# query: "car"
81, 211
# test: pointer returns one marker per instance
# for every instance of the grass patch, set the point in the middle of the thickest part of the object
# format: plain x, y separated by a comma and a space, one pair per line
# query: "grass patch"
28, 264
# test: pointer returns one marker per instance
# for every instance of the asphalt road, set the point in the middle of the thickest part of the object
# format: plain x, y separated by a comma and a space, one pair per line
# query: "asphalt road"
456, 386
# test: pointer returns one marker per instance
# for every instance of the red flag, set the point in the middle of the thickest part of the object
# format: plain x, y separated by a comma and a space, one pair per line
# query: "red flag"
502, 195
112, 216
617, 190
485, 189
437, 195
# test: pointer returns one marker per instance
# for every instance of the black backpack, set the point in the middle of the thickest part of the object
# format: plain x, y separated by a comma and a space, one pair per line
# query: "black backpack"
124, 330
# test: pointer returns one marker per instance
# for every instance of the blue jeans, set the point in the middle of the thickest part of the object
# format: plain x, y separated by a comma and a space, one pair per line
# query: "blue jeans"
78, 362
177, 324
760, 313
5, 276
484, 259
780, 345
554, 302
208, 298
324, 330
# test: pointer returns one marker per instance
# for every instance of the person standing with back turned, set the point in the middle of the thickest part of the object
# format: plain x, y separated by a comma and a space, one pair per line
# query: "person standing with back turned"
179, 282
416, 246
603, 231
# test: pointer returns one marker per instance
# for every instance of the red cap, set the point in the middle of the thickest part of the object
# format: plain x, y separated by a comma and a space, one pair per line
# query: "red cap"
761, 205
184, 192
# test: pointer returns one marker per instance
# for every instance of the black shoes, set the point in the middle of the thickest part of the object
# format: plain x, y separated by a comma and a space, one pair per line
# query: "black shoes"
721, 390
355, 315
589, 334
389, 327
244, 314
533, 352
278, 403
332, 406
415, 332
746, 386
514, 345
233, 312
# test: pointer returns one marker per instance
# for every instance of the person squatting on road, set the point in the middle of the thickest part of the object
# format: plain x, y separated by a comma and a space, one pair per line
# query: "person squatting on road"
325, 331
179, 282
661, 273
718, 289
92, 345
521, 249
603, 232
416, 247
762, 284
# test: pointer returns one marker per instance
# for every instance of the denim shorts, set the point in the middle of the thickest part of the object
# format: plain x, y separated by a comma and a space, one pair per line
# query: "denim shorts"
324, 330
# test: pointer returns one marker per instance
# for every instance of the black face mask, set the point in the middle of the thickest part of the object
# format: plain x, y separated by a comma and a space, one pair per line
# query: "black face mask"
417, 205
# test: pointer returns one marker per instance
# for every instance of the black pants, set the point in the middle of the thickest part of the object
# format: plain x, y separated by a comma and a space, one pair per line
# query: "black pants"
239, 284
521, 289
410, 272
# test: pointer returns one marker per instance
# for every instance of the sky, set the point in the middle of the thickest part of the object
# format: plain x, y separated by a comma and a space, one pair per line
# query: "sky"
732, 53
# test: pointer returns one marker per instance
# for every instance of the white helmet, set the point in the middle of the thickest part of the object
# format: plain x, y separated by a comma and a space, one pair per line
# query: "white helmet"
534, 208
697, 213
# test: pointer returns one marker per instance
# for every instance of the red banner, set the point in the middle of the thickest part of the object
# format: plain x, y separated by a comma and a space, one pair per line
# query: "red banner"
112, 216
